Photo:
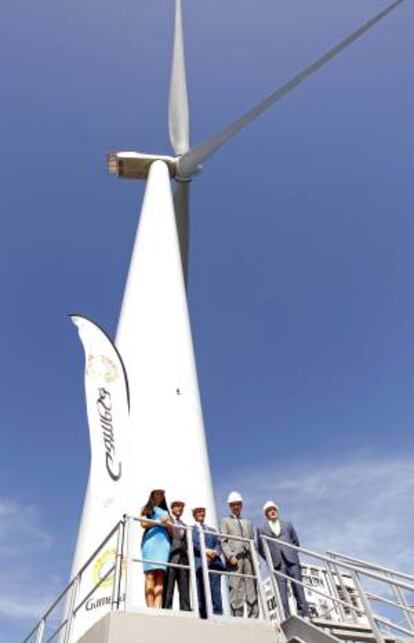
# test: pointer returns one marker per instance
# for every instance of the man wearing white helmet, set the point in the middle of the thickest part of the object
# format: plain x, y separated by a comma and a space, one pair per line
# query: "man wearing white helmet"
242, 591
284, 559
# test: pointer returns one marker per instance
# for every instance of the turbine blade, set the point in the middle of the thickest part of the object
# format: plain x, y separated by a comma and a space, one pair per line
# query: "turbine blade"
178, 113
190, 161
181, 206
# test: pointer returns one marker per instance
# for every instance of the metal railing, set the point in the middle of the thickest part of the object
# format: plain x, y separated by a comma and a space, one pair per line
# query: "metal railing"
256, 577
130, 559
70, 592
357, 572
347, 599
392, 574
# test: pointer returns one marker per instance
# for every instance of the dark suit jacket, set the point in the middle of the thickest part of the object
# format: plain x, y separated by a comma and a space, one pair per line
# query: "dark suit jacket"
178, 551
212, 542
277, 551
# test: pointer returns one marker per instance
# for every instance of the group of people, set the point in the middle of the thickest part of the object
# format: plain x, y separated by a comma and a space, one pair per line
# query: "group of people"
165, 555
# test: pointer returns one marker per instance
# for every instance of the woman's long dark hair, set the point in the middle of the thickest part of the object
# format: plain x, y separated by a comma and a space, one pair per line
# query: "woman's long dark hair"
148, 508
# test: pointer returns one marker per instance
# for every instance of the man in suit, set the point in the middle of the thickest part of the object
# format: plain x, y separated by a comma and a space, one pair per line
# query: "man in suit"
179, 556
213, 553
238, 558
284, 559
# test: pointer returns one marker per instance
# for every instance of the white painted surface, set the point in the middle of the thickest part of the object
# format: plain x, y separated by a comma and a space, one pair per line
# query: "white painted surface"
167, 628
167, 441
178, 112
105, 502
163, 442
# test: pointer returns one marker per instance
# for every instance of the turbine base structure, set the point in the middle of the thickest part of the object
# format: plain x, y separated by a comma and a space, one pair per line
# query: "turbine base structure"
130, 627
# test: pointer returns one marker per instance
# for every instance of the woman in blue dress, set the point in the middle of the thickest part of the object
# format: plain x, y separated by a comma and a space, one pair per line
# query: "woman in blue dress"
155, 546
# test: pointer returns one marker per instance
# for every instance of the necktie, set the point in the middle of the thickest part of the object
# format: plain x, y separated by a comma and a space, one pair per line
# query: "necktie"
240, 526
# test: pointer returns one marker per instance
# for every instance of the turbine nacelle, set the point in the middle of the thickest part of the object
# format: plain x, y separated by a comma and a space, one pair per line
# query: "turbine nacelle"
136, 165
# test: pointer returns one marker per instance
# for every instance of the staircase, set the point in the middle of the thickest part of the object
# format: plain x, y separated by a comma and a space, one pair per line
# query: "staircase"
297, 630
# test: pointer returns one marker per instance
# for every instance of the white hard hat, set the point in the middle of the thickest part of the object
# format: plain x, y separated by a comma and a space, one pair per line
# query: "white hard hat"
269, 505
234, 496
177, 501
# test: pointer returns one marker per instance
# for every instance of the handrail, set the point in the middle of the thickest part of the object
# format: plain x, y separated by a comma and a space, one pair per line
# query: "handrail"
61, 626
159, 562
382, 599
309, 552
225, 572
221, 535
355, 569
359, 610
328, 611
71, 583
98, 584
98, 549
336, 568
370, 565
50, 609
393, 625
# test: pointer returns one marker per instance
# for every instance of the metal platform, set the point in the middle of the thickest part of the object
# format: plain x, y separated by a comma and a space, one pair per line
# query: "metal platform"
129, 627
360, 601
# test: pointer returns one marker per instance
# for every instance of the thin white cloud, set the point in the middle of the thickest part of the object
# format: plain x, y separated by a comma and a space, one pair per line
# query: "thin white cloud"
361, 507
20, 525
24, 548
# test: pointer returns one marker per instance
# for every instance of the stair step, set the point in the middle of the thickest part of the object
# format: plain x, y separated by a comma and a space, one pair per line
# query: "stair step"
296, 627
351, 631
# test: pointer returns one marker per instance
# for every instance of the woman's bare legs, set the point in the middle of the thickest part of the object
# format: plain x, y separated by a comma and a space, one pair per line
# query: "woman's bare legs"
150, 588
158, 588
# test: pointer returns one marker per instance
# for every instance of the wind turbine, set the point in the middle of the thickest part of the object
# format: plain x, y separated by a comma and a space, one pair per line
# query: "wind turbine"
187, 163
149, 310
164, 438
154, 335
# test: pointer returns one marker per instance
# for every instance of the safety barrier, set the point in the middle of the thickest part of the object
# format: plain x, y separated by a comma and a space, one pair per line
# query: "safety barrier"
360, 572
346, 609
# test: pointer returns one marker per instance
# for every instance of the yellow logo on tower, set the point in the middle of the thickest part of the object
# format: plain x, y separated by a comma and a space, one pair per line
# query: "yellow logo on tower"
102, 566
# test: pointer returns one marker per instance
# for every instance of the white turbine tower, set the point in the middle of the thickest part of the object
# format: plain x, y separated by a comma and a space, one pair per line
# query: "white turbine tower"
164, 443
154, 335
167, 436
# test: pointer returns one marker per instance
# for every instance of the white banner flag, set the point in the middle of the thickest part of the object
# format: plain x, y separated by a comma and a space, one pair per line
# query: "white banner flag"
107, 403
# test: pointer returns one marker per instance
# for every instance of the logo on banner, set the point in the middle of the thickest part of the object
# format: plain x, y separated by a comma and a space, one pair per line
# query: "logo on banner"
104, 406
101, 367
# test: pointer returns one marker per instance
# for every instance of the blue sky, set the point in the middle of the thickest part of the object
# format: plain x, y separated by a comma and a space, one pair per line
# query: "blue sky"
300, 272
